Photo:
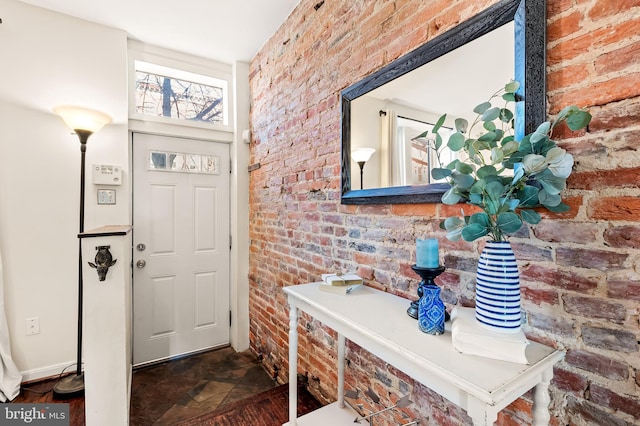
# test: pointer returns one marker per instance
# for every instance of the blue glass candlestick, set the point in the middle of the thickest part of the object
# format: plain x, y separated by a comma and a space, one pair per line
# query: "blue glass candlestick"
431, 311
428, 275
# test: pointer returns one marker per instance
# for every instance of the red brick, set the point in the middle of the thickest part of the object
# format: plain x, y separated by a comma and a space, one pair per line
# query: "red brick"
624, 289
598, 364
529, 252
584, 412
591, 307
539, 296
606, 8
587, 258
566, 232
424, 210
626, 236
610, 399
556, 325
615, 208
597, 179
610, 339
569, 381
567, 280
619, 115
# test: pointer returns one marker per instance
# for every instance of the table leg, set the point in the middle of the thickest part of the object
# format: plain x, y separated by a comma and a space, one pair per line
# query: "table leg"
341, 360
541, 400
293, 365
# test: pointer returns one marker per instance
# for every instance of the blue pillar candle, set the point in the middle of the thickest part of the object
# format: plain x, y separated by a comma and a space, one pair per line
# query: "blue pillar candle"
427, 253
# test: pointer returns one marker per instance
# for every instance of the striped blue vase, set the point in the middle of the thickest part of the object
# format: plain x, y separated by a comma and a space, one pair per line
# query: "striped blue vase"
498, 288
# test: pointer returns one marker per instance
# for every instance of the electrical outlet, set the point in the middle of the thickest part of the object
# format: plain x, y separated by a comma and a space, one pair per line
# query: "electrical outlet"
33, 326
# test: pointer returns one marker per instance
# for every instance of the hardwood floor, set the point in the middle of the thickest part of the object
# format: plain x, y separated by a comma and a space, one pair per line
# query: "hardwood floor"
175, 391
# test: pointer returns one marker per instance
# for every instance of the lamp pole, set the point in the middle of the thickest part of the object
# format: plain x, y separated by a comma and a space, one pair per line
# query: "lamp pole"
84, 123
361, 164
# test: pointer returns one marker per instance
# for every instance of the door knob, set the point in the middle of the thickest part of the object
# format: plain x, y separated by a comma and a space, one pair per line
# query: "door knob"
141, 263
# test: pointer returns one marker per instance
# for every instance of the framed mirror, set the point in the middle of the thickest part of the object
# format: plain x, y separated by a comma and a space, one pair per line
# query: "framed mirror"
377, 106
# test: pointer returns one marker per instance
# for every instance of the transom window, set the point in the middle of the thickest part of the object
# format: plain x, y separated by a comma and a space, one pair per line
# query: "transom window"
165, 92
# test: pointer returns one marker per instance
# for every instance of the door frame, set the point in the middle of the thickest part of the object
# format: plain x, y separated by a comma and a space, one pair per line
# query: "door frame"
238, 207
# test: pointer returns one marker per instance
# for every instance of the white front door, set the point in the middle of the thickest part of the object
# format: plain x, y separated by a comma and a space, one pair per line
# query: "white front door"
181, 246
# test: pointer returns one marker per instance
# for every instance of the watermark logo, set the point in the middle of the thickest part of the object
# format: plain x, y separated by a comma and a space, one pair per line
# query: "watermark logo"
34, 414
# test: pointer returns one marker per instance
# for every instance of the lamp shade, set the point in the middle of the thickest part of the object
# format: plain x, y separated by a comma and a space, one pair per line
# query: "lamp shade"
362, 154
79, 118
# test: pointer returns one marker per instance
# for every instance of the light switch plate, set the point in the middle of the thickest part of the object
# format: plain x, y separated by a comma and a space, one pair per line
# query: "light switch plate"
106, 196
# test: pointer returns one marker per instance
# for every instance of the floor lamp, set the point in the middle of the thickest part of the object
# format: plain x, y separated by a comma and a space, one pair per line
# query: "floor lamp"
84, 122
361, 156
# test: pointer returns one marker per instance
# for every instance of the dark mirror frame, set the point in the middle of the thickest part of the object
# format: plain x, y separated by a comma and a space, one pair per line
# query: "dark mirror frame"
530, 64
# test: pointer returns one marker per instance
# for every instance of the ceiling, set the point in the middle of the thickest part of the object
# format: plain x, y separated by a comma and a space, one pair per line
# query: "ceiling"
222, 30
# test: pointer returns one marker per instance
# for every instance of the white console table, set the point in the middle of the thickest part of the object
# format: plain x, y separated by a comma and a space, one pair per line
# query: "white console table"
377, 321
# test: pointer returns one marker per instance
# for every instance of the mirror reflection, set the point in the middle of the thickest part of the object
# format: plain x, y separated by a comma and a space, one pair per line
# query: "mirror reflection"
387, 119
455, 72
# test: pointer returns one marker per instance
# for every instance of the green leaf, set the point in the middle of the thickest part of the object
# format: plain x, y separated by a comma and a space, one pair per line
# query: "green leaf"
439, 123
474, 231
509, 97
490, 114
518, 173
509, 147
461, 125
512, 86
496, 155
530, 216
481, 219
454, 226
422, 135
578, 120
494, 190
440, 173
438, 143
539, 135
552, 184
485, 171
560, 208
528, 196
464, 168
456, 142
475, 197
525, 145
462, 181
482, 107
451, 197
487, 137
489, 125
506, 115
548, 200
509, 222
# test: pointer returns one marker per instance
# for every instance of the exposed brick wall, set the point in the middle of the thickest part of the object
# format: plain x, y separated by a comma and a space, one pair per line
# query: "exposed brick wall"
580, 269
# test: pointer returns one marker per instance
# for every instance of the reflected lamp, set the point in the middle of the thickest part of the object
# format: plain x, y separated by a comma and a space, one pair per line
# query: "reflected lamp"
361, 156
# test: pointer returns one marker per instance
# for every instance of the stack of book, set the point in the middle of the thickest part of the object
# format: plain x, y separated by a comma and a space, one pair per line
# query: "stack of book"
339, 283
470, 338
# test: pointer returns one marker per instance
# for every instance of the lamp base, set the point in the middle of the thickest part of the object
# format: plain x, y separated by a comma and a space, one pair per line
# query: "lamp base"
69, 387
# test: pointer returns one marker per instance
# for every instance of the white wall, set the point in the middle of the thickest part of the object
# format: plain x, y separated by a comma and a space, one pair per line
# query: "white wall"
50, 59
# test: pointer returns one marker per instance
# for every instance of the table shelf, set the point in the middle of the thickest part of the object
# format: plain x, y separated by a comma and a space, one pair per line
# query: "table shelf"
377, 321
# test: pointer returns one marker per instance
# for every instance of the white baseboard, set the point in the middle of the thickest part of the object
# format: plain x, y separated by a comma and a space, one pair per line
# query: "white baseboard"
48, 372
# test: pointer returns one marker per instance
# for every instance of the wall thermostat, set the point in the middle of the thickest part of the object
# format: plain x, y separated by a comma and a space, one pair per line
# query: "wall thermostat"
106, 175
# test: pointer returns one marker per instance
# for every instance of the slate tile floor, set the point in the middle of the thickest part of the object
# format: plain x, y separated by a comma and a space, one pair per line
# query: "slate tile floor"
167, 393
